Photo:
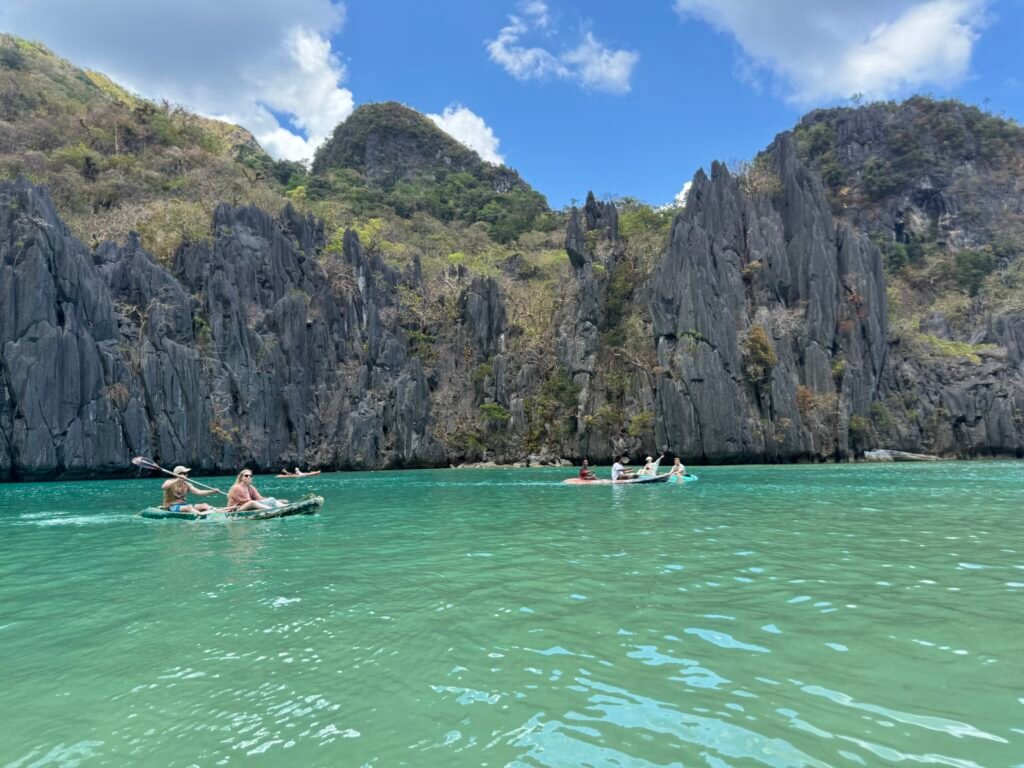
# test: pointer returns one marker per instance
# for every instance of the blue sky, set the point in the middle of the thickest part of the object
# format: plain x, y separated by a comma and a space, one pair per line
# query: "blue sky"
618, 98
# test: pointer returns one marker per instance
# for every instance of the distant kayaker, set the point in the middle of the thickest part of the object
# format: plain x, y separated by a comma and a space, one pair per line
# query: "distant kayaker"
586, 473
178, 487
243, 495
678, 470
285, 471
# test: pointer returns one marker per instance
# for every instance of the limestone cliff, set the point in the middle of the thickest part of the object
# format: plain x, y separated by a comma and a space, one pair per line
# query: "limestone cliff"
833, 297
246, 354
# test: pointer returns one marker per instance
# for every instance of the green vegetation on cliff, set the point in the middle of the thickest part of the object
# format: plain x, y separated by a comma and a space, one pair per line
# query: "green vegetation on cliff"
933, 183
554, 357
390, 155
114, 162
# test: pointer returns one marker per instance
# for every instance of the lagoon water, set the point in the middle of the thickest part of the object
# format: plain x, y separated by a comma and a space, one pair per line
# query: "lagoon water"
862, 615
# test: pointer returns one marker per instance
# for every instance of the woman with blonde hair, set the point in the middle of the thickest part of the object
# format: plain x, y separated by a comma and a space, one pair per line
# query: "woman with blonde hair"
243, 495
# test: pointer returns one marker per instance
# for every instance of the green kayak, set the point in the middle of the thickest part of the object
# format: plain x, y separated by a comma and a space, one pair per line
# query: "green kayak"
307, 506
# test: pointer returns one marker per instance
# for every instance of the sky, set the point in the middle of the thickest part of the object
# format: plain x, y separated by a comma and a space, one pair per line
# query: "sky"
622, 99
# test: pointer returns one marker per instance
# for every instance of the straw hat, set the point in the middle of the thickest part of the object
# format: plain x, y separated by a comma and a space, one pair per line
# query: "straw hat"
180, 470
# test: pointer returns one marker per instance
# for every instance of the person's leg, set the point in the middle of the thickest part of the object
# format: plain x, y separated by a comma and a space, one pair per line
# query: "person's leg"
251, 505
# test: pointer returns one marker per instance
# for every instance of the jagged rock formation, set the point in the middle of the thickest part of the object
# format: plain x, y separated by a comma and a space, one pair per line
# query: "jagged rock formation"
939, 185
596, 252
764, 332
770, 321
248, 356
58, 335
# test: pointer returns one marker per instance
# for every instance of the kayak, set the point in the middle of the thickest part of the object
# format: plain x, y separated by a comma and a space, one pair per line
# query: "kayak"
304, 474
683, 479
308, 506
631, 481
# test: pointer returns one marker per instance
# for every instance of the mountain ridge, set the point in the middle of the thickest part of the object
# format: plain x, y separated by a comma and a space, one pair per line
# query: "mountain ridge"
420, 316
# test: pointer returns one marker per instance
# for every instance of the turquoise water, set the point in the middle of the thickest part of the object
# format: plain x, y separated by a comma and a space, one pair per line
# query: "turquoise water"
765, 616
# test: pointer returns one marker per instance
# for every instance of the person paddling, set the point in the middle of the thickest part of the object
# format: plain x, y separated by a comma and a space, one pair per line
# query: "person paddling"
586, 473
244, 496
177, 488
619, 472
678, 470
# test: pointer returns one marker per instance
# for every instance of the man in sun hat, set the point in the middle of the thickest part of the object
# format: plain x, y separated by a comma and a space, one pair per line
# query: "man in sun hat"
178, 487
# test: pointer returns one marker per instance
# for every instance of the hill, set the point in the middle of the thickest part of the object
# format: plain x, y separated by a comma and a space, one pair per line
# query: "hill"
412, 165
937, 185
115, 162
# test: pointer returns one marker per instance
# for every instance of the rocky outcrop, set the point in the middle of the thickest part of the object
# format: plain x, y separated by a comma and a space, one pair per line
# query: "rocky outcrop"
61, 410
389, 142
770, 320
243, 355
595, 251
762, 335
922, 170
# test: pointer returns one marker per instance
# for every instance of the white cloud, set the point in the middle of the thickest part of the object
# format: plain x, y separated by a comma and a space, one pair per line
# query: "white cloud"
602, 68
822, 50
679, 201
523, 63
591, 64
538, 11
465, 126
681, 196
226, 59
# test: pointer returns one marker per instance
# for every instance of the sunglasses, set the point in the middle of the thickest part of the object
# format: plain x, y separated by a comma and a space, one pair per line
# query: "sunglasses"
246, 475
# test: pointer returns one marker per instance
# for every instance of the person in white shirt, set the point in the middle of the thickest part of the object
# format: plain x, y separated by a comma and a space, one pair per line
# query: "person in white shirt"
678, 469
619, 472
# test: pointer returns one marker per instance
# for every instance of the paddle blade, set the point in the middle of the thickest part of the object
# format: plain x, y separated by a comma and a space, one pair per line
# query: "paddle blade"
143, 463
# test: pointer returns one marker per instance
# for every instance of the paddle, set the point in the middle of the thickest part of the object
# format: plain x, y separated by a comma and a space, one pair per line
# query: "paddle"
143, 463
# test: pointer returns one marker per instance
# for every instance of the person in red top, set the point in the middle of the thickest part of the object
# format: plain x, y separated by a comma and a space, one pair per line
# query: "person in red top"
586, 473
243, 495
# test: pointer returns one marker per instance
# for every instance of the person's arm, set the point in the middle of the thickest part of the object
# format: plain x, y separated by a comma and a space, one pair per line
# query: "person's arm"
200, 491
254, 494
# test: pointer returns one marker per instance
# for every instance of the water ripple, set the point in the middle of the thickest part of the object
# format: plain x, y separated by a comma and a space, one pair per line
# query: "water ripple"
765, 616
